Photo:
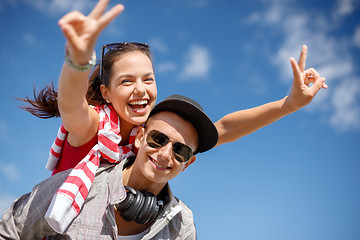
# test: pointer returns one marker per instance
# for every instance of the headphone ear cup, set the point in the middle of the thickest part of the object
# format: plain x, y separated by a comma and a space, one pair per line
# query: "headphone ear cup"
130, 213
141, 207
154, 210
148, 209
129, 199
133, 210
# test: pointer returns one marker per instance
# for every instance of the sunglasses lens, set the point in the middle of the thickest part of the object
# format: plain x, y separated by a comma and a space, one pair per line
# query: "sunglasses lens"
156, 139
182, 152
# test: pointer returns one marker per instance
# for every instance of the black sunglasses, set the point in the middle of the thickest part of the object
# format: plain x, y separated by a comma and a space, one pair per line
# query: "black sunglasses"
157, 139
117, 47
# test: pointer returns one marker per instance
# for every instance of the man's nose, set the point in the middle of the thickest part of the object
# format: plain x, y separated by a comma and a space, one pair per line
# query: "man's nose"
165, 152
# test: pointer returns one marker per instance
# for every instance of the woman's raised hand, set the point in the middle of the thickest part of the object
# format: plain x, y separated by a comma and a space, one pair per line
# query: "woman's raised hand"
301, 92
81, 32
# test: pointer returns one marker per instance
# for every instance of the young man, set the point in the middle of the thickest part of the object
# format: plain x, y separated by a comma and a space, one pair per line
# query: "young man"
145, 209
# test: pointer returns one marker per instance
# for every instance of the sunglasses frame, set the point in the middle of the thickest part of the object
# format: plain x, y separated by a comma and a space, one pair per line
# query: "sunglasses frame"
175, 143
114, 47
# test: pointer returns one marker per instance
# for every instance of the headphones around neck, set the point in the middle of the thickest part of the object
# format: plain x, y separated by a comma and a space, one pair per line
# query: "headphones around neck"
138, 206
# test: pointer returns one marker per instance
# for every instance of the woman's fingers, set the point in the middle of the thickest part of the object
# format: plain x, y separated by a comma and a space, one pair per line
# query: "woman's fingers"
72, 17
104, 18
99, 9
81, 32
296, 72
89, 25
70, 34
110, 15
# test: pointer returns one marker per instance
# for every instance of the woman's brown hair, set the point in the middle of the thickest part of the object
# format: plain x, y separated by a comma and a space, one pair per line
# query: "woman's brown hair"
44, 105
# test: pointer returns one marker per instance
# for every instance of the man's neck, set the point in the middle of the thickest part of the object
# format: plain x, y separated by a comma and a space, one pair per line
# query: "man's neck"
134, 178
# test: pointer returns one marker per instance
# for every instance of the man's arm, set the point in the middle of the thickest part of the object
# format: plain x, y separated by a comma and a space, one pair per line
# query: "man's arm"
238, 124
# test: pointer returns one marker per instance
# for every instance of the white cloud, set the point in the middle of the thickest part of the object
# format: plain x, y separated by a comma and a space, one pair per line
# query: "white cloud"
197, 63
253, 18
274, 13
336, 69
345, 7
357, 37
165, 67
30, 39
55, 7
347, 111
67, 5
158, 45
10, 172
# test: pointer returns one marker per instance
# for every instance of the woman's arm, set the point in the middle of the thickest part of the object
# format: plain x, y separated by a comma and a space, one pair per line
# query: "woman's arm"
81, 33
238, 124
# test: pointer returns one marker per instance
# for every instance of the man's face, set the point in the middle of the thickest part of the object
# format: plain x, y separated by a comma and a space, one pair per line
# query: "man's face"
159, 165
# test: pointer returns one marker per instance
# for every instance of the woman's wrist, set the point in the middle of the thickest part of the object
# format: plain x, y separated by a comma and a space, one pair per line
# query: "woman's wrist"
77, 66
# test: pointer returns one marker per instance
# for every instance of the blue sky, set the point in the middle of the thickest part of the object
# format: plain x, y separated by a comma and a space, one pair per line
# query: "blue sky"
295, 179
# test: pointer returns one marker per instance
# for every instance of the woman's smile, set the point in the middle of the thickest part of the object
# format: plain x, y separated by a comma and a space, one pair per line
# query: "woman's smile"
139, 106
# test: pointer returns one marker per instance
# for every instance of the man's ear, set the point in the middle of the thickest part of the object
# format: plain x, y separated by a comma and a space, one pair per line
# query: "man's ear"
189, 162
139, 135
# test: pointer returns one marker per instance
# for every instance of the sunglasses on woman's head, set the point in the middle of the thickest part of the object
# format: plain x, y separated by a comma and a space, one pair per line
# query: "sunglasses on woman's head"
157, 139
117, 47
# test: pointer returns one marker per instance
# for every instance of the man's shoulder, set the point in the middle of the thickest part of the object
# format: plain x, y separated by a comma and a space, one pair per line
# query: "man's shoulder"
185, 209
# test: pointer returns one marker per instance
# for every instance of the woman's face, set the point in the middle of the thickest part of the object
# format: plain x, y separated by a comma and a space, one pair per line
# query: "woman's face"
132, 88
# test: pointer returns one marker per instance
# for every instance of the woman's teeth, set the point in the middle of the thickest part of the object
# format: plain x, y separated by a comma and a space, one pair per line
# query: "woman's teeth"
139, 104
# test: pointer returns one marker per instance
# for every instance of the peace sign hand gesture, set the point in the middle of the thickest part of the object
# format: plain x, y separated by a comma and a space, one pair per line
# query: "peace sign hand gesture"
81, 32
301, 92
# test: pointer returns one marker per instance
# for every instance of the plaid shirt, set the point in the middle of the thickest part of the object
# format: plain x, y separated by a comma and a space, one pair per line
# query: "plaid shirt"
25, 218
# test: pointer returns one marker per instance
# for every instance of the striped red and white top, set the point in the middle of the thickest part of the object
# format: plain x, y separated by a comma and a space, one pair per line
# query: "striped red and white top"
69, 198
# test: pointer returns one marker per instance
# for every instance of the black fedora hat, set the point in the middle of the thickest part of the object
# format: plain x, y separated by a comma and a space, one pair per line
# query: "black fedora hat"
194, 113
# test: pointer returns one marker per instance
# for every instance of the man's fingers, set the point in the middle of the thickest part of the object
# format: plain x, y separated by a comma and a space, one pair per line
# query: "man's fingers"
302, 58
296, 71
324, 85
312, 73
319, 83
